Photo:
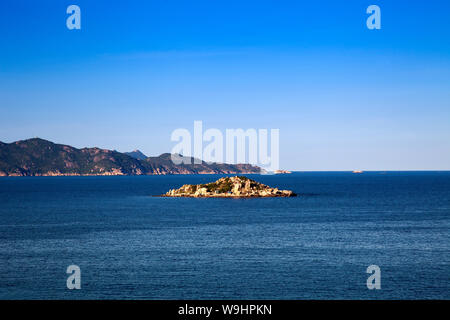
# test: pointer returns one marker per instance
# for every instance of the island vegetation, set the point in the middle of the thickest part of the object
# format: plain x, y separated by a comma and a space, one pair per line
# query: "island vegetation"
229, 187
38, 157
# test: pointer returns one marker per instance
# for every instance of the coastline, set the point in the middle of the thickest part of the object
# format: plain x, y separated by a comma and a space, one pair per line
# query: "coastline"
118, 174
2, 175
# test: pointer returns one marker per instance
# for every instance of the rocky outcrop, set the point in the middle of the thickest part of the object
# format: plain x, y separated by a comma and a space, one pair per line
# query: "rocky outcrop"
229, 187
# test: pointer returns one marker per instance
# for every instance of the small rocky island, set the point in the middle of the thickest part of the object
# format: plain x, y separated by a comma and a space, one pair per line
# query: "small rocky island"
229, 187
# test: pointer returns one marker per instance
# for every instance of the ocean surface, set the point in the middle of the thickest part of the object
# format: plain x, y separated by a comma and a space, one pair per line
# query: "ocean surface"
132, 245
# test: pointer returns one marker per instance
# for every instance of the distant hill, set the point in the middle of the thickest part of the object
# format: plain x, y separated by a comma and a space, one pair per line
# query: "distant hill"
137, 155
38, 157
163, 163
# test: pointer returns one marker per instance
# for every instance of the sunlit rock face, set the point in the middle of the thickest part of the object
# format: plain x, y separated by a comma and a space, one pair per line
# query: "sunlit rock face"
234, 187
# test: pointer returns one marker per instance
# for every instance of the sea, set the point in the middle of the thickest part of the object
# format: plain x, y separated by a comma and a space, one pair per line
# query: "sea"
131, 244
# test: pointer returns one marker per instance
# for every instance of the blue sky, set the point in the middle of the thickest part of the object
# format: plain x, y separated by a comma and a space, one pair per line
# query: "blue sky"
344, 97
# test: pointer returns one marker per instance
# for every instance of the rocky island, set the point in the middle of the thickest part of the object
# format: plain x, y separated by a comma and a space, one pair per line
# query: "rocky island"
229, 187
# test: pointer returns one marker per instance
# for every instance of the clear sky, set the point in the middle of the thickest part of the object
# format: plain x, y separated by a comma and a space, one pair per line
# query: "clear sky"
344, 97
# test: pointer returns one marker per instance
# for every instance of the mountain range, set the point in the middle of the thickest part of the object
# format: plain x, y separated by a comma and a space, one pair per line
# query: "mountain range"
38, 157
137, 154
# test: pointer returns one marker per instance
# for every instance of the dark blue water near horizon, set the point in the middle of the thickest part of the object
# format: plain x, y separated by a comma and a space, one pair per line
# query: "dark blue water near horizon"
131, 245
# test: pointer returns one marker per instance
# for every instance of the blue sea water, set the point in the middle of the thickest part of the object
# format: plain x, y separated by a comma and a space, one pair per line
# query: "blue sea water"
131, 245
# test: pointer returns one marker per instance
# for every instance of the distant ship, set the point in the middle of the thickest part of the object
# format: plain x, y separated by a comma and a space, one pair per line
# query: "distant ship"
358, 171
282, 172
